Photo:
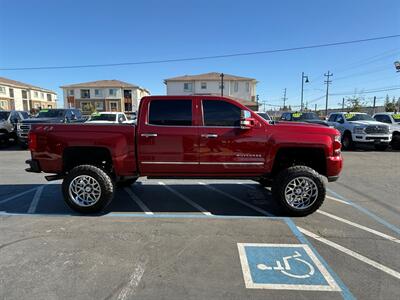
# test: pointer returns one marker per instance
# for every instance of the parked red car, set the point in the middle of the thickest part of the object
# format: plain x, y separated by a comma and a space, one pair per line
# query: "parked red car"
188, 137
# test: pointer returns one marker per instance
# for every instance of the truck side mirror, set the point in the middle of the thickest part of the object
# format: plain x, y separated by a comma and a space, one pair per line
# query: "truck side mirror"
246, 121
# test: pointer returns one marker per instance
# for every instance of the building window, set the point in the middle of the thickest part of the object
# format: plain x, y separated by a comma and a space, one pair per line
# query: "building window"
113, 106
112, 92
24, 94
42, 95
247, 87
85, 94
236, 86
48, 97
204, 85
71, 92
188, 86
2, 90
11, 93
36, 94
99, 105
98, 93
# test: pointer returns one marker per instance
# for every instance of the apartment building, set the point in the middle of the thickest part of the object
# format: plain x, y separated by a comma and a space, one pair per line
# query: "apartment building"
240, 88
103, 95
23, 96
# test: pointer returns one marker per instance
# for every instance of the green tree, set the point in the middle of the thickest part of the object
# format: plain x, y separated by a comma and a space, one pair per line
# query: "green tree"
354, 104
390, 106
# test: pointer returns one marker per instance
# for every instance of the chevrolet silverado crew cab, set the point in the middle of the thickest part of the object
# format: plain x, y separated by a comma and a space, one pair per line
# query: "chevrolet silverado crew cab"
360, 128
188, 137
393, 120
47, 116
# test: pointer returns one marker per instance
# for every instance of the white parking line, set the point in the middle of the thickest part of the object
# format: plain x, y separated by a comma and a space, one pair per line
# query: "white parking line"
378, 233
337, 200
138, 201
18, 195
352, 253
35, 201
183, 197
237, 200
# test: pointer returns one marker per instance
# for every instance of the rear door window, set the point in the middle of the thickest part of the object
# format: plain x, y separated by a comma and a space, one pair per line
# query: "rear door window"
170, 112
220, 113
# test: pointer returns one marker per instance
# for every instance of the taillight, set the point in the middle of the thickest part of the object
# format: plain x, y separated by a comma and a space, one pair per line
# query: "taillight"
337, 145
32, 141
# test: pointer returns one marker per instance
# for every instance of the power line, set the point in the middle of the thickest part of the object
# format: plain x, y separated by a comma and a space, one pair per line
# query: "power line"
202, 57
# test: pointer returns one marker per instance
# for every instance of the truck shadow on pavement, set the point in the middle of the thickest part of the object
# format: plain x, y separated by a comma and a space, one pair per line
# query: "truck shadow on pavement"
220, 199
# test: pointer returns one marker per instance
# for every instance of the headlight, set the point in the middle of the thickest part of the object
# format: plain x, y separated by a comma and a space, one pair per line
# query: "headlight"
359, 130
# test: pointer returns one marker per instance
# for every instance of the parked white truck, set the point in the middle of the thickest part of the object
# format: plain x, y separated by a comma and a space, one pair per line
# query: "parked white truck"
393, 120
357, 127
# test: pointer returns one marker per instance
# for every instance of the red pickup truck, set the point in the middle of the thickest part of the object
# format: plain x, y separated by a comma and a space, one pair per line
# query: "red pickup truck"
188, 137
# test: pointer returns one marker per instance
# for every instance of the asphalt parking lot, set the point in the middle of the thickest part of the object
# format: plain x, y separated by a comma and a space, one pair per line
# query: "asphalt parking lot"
201, 239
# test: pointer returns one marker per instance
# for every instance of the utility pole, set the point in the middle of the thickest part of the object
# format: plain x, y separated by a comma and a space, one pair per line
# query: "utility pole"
327, 82
315, 107
343, 104
284, 99
374, 103
222, 84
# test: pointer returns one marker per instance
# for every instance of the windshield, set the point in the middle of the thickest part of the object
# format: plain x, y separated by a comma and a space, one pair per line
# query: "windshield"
264, 116
103, 117
358, 117
51, 113
396, 118
304, 116
4, 115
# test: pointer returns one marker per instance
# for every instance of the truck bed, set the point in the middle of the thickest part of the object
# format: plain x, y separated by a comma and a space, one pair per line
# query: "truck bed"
55, 139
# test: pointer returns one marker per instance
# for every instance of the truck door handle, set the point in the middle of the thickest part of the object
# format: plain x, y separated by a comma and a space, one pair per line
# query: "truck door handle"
209, 135
149, 134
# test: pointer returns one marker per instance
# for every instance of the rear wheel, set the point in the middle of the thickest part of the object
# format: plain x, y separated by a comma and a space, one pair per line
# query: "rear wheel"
87, 189
299, 191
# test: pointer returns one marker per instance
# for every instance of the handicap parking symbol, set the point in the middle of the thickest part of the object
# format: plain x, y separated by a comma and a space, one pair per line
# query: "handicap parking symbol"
284, 267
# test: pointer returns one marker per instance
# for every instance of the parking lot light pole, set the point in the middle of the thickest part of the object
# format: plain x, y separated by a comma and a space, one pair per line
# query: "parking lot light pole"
302, 88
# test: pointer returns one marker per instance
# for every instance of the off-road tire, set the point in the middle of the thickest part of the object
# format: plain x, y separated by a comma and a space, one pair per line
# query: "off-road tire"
284, 178
106, 187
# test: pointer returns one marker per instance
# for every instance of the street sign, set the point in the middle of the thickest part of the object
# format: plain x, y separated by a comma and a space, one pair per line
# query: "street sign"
284, 267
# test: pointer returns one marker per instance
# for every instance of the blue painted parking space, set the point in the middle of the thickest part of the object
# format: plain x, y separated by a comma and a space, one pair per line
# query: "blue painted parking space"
284, 266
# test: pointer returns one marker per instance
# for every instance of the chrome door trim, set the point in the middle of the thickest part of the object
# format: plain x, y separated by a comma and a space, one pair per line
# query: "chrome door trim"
202, 163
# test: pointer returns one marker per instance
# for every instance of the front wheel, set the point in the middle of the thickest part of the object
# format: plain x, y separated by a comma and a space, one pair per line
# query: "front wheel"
299, 191
396, 142
381, 147
347, 142
87, 189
